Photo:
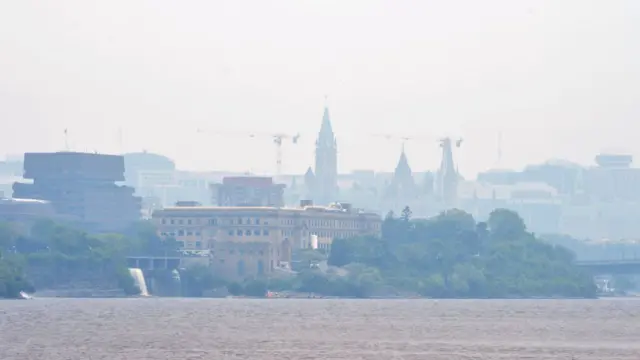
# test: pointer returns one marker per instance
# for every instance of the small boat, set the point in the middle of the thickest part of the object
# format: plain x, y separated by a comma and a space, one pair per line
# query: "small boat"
25, 296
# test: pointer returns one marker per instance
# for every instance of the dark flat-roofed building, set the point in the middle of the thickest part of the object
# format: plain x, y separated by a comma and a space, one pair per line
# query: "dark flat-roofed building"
83, 186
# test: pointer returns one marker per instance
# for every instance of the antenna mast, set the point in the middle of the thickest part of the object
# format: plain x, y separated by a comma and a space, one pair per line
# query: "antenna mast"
66, 139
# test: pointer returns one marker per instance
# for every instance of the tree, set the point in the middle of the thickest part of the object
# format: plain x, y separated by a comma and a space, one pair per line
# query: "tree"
506, 224
8, 236
406, 214
12, 279
198, 279
451, 255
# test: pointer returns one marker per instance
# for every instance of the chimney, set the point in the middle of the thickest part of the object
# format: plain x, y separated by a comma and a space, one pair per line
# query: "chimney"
305, 203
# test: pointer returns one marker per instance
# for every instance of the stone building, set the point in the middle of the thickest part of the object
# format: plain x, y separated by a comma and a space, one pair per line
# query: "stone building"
251, 241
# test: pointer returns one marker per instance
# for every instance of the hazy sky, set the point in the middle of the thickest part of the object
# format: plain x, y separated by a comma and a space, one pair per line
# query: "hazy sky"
558, 78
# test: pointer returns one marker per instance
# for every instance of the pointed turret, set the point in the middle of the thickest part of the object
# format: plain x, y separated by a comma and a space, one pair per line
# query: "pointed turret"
447, 178
402, 183
403, 170
309, 183
309, 177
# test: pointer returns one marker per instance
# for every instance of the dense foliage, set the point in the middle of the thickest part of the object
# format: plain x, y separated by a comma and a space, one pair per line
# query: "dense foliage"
12, 280
449, 256
56, 255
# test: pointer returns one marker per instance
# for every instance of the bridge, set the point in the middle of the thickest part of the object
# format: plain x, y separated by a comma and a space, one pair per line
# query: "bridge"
154, 262
611, 267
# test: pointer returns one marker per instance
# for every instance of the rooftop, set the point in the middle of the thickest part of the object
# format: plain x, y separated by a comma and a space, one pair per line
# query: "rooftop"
322, 209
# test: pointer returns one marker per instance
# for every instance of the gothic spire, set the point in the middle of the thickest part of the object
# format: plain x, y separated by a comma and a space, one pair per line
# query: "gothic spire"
326, 131
402, 183
403, 170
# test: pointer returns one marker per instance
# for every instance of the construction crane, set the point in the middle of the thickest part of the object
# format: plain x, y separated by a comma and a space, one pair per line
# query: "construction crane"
277, 138
403, 138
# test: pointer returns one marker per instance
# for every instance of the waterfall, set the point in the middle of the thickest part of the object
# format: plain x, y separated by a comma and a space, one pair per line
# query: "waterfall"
138, 277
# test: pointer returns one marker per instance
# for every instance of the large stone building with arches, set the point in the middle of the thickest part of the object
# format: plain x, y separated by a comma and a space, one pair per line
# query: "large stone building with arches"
252, 241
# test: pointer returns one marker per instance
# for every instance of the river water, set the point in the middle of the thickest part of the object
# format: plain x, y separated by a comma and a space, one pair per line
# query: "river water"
156, 328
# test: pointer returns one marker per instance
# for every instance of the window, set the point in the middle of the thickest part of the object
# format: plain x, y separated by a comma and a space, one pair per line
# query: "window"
248, 221
231, 232
198, 244
189, 233
180, 232
239, 232
212, 222
248, 232
180, 221
256, 232
164, 221
198, 233
265, 232
240, 221
173, 221
189, 221
258, 221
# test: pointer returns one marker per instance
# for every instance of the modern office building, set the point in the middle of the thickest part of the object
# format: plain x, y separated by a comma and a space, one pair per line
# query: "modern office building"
82, 186
248, 191
250, 241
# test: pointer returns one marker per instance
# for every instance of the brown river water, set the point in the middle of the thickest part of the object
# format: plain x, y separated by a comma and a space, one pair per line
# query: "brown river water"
156, 328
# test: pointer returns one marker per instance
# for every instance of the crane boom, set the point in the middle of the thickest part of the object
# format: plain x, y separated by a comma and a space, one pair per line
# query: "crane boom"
277, 138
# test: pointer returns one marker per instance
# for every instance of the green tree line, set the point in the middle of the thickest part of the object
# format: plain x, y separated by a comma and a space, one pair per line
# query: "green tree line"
52, 254
452, 255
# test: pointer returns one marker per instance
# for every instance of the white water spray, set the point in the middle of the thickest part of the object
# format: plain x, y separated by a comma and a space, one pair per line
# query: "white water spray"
138, 277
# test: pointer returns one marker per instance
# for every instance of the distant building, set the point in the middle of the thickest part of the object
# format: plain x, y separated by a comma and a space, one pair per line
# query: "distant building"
16, 209
144, 170
323, 182
81, 185
250, 241
24, 212
248, 191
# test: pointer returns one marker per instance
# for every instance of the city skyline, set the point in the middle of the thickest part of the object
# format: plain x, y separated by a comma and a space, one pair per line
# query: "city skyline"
125, 77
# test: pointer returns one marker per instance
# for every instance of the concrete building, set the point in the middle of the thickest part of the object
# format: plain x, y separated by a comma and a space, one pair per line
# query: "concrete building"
250, 241
248, 191
81, 185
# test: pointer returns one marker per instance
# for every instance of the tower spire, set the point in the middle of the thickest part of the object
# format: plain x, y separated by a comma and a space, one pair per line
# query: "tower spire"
326, 168
326, 130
